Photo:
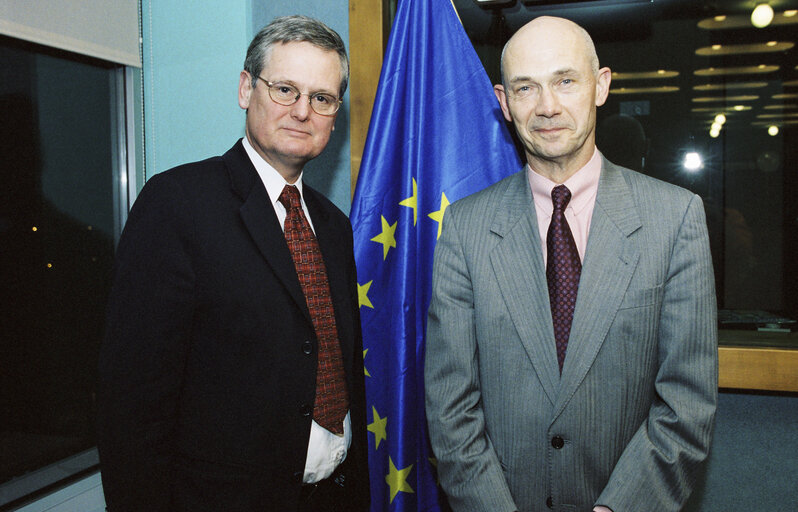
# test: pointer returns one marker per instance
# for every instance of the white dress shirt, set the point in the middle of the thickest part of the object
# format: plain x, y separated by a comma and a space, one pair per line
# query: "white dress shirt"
325, 449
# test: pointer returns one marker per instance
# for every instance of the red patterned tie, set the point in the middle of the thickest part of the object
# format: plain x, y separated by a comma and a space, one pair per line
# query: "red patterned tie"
563, 269
331, 402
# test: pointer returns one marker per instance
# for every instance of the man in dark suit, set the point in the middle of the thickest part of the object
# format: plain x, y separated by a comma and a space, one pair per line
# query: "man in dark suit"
571, 358
231, 376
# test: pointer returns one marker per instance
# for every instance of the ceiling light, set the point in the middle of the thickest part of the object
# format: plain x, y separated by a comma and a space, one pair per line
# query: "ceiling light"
722, 17
740, 49
727, 86
790, 13
762, 15
740, 70
644, 90
739, 108
720, 119
726, 98
773, 130
692, 161
714, 133
639, 75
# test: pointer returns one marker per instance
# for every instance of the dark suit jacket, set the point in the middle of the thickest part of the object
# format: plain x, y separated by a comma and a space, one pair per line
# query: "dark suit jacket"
207, 371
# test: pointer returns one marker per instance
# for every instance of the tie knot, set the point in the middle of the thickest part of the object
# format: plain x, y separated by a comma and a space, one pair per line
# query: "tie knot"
289, 197
560, 195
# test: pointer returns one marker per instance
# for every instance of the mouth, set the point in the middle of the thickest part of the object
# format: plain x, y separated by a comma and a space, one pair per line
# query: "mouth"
296, 132
549, 130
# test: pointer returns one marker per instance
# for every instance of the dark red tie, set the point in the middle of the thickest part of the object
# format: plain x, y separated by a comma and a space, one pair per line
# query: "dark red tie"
331, 402
563, 269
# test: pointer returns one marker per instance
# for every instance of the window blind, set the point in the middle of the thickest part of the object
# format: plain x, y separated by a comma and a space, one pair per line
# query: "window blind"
106, 29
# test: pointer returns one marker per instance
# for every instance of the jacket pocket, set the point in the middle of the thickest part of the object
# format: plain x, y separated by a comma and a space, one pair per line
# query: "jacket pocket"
639, 298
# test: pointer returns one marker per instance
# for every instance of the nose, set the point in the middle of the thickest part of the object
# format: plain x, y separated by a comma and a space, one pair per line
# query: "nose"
548, 104
300, 110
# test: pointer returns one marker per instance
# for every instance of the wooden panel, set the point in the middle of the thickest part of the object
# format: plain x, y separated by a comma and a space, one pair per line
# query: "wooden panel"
368, 32
770, 369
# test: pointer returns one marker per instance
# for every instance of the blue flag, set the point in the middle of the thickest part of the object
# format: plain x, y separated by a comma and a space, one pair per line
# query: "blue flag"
436, 135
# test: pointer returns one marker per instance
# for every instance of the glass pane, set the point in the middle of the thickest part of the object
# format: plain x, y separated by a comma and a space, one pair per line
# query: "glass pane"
677, 65
56, 250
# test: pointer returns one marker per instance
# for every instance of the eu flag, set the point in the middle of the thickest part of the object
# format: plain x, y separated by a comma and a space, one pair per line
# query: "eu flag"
436, 135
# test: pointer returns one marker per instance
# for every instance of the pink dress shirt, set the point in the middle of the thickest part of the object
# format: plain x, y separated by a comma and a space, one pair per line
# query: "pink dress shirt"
579, 212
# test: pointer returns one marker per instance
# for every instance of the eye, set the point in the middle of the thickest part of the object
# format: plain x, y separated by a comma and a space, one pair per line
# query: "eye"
284, 91
322, 99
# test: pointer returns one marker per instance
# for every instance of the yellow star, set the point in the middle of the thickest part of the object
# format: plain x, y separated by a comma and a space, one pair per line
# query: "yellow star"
438, 216
386, 238
378, 427
362, 294
397, 479
412, 202
364, 366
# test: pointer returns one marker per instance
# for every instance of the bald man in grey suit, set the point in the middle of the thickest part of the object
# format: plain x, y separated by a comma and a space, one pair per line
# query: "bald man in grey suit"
621, 419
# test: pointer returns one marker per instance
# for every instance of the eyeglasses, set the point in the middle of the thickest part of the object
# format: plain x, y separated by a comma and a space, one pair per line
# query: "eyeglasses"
286, 94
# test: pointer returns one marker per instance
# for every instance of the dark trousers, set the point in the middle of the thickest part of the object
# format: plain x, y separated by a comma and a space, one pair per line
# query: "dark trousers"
333, 494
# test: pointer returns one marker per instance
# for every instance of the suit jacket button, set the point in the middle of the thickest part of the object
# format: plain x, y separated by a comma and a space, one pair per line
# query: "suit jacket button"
307, 347
557, 442
549, 502
305, 409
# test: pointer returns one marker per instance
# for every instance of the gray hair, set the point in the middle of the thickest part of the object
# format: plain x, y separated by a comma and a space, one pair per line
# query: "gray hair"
295, 28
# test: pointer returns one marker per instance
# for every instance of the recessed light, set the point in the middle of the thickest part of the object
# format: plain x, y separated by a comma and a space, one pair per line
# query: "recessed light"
762, 15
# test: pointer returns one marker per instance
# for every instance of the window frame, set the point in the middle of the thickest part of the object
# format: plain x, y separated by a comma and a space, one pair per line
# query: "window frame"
126, 166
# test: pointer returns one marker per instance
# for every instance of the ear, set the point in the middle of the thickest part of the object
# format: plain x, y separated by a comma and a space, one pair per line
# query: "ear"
603, 80
501, 95
244, 89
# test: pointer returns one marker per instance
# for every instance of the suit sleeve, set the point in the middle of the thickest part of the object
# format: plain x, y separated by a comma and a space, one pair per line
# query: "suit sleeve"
657, 470
143, 353
468, 466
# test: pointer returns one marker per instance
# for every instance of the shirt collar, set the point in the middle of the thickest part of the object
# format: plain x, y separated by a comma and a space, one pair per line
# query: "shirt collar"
583, 185
271, 179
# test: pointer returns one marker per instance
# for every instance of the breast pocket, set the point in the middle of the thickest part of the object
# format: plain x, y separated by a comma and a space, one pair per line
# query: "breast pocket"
641, 297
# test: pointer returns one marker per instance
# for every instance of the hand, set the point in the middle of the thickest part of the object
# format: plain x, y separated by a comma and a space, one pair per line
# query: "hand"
601, 509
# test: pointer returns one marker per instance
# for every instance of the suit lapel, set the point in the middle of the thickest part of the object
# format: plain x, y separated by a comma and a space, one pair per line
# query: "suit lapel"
518, 265
610, 260
261, 222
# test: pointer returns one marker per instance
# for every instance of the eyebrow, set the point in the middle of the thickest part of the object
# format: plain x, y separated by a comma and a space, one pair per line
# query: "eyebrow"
294, 84
559, 72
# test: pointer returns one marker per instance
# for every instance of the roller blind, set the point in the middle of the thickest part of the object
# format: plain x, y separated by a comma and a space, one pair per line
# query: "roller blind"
106, 29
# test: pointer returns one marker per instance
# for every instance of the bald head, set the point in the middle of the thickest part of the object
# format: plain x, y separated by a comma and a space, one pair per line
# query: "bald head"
548, 32
551, 87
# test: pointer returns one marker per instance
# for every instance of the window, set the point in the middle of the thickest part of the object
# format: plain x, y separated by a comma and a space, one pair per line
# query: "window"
678, 67
62, 204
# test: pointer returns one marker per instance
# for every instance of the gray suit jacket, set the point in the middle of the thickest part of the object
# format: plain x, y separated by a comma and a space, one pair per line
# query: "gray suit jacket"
630, 419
